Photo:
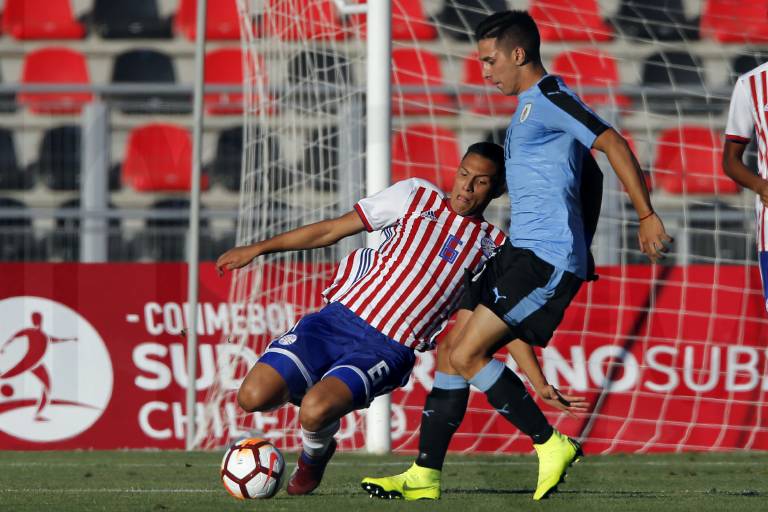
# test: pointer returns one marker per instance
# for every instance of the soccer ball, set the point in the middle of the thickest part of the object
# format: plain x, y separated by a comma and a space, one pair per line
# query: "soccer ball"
252, 468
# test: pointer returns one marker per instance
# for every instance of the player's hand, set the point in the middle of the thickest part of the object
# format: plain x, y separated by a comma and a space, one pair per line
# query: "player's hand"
653, 238
234, 258
569, 404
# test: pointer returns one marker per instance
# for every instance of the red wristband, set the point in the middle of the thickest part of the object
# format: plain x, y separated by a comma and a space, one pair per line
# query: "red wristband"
645, 217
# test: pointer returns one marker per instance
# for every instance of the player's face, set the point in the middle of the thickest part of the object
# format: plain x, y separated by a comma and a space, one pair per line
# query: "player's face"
473, 186
499, 68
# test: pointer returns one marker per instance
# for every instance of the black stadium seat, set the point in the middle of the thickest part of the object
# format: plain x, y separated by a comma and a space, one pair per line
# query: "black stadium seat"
165, 239
17, 242
226, 165
677, 71
151, 67
129, 19
657, 20
64, 241
59, 159
321, 158
11, 176
458, 18
747, 61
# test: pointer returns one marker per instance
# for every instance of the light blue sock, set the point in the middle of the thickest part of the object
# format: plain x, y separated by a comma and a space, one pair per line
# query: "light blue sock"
487, 377
447, 381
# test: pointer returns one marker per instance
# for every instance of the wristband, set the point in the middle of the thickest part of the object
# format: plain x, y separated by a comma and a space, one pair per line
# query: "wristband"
647, 216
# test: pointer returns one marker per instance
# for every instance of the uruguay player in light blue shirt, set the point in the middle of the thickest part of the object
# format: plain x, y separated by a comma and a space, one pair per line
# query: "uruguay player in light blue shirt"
523, 291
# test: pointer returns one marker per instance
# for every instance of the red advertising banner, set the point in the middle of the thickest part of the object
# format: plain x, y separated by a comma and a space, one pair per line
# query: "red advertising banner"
92, 356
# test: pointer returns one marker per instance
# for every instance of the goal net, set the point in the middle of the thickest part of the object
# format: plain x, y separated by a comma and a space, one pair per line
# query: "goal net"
672, 356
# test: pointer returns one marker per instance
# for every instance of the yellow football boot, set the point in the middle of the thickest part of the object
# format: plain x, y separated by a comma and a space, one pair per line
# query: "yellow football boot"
555, 456
417, 483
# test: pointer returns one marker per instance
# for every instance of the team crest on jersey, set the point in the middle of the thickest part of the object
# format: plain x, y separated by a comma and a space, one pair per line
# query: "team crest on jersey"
287, 339
487, 246
429, 215
526, 112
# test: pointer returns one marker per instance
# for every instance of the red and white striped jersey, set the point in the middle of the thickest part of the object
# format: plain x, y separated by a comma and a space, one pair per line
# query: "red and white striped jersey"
747, 115
410, 286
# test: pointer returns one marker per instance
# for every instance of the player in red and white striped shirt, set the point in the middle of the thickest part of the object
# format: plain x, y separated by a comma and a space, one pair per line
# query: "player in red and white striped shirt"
383, 304
747, 115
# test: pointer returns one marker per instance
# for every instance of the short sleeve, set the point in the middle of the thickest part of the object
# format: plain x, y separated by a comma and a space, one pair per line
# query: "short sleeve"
386, 207
740, 124
569, 114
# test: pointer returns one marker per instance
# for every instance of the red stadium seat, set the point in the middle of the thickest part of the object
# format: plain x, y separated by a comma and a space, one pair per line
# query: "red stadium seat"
158, 157
55, 66
570, 20
735, 21
590, 68
688, 161
41, 19
412, 67
225, 67
427, 152
409, 22
488, 102
222, 20
299, 20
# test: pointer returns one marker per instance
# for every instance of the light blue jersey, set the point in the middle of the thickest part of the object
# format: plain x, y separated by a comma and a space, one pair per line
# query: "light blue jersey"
547, 141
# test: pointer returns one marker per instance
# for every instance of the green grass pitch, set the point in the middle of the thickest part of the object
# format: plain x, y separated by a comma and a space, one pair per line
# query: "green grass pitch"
167, 481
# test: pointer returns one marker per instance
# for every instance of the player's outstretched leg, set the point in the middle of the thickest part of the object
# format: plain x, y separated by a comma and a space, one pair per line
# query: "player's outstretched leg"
555, 456
321, 408
442, 415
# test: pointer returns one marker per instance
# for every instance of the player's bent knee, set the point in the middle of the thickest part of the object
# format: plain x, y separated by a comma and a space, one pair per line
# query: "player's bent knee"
260, 392
317, 411
463, 358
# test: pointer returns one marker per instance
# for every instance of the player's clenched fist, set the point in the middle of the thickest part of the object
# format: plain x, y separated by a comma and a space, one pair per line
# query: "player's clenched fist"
235, 258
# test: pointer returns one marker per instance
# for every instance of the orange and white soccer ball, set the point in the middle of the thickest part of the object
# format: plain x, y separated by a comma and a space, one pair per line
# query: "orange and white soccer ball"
252, 468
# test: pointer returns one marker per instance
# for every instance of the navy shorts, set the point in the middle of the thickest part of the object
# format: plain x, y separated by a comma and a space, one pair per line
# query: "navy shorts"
335, 342
528, 293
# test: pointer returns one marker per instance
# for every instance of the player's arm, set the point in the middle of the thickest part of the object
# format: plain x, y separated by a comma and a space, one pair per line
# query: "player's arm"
525, 358
651, 234
311, 236
734, 167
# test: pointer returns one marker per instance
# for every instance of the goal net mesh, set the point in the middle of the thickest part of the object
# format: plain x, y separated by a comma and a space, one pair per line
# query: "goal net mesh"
672, 356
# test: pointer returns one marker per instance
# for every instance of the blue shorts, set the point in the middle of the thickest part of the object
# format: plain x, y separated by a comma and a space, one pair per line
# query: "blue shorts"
763, 258
335, 342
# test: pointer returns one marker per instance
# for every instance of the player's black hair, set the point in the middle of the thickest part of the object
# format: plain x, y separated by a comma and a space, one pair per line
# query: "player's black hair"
512, 29
495, 154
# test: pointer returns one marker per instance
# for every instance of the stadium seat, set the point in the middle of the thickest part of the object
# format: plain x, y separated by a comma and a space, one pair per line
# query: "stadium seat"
688, 162
718, 232
458, 18
158, 157
12, 177
317, 75
7, 101
227, 163
224, 67
150, 67
735, 21
672, 71
570, 20
17, 241
747, 61
409, 22
321, 158
428, 152
64, 241
222, 21
655, 20
59, 158
129, 19
165, 239
55, 66
414, 67
489, 101
40, 19
301, 20
591, 68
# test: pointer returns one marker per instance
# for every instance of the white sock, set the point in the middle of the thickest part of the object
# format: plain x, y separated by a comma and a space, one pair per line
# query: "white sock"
315, 444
